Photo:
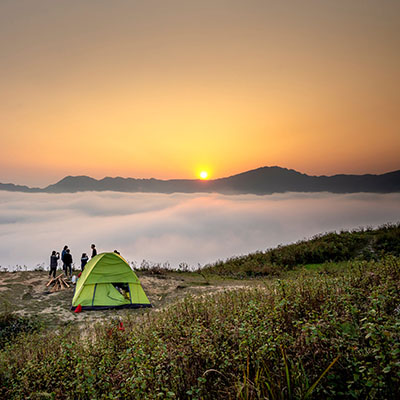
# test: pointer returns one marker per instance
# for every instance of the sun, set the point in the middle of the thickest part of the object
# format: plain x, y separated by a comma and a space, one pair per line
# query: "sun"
203, 175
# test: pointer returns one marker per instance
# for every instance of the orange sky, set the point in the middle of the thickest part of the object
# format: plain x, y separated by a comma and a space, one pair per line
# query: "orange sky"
166, 88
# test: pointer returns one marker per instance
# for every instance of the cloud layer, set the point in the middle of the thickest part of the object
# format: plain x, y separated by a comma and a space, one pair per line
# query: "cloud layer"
191, 228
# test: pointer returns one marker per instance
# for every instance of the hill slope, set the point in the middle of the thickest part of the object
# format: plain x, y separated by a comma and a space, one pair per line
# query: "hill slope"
249, 344
364, 244
336, 326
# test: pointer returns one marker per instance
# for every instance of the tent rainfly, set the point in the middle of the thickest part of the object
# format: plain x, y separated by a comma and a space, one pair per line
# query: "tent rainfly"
108, 282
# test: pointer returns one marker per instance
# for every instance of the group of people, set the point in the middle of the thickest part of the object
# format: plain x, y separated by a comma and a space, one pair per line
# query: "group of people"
67, 261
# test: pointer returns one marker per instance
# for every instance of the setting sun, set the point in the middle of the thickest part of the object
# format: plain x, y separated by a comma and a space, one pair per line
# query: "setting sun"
203, 175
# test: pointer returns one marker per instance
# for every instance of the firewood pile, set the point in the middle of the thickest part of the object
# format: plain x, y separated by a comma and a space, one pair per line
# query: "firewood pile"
57, 283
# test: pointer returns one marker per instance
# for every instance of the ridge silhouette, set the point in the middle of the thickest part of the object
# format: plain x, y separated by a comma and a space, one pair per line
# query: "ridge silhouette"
264, 180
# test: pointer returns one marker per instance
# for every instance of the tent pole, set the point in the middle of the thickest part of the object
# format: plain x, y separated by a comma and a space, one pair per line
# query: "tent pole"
94, 292
130, 294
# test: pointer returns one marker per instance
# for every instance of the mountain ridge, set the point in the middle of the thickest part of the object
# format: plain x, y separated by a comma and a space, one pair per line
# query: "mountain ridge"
263, 180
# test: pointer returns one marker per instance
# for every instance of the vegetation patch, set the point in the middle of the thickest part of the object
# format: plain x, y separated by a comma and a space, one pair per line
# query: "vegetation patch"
11, 325
362, 244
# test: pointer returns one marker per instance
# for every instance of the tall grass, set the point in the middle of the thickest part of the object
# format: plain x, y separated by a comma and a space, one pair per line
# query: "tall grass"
315, 335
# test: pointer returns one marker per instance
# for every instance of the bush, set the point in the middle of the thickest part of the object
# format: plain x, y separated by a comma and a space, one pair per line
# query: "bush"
12, 325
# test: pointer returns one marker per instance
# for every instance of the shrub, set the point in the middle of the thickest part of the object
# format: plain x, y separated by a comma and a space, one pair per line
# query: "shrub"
12, 325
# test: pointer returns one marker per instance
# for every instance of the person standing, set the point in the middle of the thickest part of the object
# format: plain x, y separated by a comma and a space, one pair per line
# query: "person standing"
94, 250
68, 262
84, 260
63, 255
54, 262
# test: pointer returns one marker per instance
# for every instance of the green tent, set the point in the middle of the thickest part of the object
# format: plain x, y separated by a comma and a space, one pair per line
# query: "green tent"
108, 282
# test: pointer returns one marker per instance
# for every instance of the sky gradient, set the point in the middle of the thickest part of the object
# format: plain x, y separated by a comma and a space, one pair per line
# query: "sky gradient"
166, 89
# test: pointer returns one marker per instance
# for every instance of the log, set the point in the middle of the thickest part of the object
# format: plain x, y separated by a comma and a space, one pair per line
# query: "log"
54, 279
50, 282
65, 283
58, 283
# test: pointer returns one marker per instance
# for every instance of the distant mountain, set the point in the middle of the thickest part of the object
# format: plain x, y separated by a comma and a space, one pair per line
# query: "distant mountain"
265, 180
18, 188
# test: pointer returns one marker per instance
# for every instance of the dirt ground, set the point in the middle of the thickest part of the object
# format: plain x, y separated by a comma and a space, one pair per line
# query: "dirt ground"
25, 293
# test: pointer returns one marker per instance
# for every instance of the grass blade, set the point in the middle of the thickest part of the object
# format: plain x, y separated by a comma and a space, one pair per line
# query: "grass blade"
311, 389
287, 372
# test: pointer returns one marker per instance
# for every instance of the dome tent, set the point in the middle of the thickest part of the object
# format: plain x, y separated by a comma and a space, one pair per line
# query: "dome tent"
109, 282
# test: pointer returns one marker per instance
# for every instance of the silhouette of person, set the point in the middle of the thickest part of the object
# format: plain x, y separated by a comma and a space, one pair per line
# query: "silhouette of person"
54, 262
63, 255
68, 262
94, 251
84, 260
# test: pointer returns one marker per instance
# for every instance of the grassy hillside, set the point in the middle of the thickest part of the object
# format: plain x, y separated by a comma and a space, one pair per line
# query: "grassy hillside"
361, 244
271, 343
326, 330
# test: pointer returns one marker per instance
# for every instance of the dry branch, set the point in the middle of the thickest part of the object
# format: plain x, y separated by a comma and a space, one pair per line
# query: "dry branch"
57, 283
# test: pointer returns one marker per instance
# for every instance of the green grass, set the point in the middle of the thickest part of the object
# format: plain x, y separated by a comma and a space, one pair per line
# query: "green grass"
362, 244
307, 335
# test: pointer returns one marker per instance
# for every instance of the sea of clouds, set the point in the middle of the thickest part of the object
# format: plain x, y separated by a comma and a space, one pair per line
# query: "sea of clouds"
177, 228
